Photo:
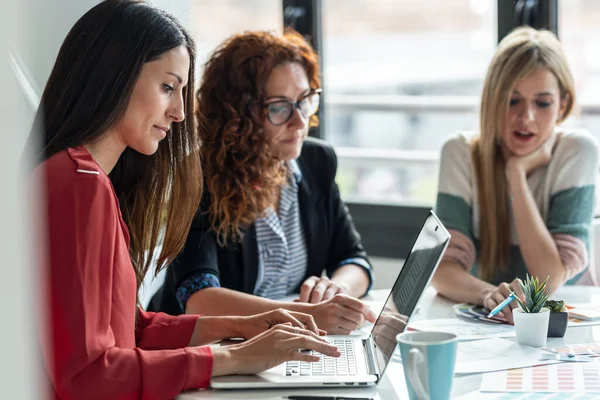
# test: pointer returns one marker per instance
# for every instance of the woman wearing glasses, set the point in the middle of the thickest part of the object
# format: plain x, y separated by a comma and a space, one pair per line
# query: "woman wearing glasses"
271, 220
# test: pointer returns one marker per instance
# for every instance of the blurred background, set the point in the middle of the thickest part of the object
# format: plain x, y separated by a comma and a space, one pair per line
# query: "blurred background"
399, 78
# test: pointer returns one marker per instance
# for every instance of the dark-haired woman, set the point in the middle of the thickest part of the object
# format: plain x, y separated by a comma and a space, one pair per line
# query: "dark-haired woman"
272, 220
118, 157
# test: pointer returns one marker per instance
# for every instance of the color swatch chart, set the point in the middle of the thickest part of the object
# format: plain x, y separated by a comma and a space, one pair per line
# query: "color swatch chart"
554, 378
530, 396
577, 349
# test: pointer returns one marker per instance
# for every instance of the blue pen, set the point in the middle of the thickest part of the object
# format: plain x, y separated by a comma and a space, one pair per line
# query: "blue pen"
500, 306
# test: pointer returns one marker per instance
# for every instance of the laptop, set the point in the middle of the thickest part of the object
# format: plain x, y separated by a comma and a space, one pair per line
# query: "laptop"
365, 356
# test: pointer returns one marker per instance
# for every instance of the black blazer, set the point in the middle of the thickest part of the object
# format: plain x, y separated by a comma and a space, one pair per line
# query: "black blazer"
330, 235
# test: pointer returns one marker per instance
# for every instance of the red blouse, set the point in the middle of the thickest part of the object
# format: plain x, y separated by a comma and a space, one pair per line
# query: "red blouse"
94, 350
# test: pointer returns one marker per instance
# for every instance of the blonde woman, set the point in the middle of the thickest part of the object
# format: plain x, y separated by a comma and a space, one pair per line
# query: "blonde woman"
518, 196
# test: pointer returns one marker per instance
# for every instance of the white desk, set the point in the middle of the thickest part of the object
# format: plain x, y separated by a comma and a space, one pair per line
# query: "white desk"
392, 385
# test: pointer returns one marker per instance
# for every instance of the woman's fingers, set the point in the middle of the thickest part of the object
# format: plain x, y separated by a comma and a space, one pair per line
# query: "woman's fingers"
293, 338
347, 325
342, 314
316, 289
307, 288
506, 311
331, 291
306, 321
504, 289
299, 331
282, 343
351, 311
493, 300
319, 290
297, 319
357, 306
283, 316
300, 341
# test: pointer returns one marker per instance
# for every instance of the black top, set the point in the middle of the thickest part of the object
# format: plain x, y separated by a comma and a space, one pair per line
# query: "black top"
330, 235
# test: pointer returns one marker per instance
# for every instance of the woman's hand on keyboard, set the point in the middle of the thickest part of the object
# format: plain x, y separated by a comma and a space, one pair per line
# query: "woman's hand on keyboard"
253, 325
341, 314
275, 346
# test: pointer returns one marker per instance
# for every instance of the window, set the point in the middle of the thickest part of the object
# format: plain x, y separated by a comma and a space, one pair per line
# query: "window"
579, 33
400, 78
212, 21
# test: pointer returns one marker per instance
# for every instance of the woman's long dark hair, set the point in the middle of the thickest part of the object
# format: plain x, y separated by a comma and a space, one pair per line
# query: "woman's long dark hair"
87, 94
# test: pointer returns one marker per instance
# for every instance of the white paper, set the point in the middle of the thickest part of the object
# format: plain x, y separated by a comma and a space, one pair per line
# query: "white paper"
464, 329
590, 310
584, 323
495, 355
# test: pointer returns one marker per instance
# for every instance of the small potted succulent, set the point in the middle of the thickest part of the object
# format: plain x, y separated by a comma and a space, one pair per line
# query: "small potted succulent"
559, 318
531, 319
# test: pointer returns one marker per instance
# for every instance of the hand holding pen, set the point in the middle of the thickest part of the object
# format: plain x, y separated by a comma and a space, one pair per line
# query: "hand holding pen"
501, 306
499, 295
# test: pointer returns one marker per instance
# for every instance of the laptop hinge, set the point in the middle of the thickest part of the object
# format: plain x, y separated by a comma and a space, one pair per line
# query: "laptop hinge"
370, 354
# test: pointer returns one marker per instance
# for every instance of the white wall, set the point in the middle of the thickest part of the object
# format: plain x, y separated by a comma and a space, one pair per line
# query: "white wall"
30, 33
45, 26
42, 27
17, 364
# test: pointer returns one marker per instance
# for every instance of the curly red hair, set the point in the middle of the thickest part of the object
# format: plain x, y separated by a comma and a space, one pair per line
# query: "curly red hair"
241, 172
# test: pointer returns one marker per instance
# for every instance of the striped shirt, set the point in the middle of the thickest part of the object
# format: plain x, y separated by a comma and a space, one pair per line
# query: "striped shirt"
563, 191
281, 244
282, 252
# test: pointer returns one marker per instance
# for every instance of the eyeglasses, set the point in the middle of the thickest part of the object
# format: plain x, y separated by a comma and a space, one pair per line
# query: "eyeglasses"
279, 112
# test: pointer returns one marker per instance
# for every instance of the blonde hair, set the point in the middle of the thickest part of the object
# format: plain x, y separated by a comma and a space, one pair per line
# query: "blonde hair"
519, 54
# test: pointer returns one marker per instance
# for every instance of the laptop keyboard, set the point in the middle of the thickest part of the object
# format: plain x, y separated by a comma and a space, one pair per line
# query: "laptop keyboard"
344, 365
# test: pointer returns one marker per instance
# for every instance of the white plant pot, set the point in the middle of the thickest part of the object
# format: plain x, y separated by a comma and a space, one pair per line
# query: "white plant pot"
531, 328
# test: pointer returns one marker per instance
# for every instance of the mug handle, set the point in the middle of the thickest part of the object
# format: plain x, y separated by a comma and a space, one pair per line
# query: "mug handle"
415, 358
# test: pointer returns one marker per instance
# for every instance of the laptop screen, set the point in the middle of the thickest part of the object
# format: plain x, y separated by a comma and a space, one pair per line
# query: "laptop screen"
414, 275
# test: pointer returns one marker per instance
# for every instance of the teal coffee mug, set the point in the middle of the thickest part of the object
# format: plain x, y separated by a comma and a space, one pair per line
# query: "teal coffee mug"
428, 360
